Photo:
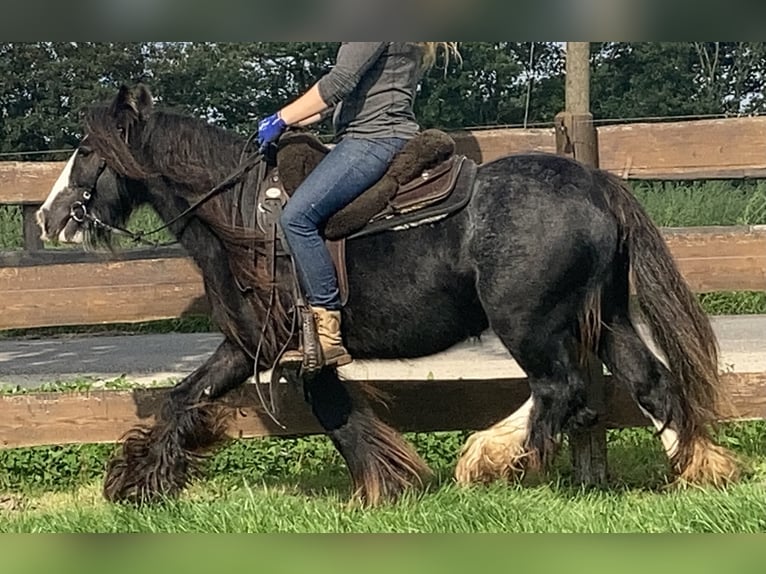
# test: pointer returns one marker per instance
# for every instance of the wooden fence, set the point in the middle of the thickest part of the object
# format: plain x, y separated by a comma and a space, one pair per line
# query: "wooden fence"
41, 287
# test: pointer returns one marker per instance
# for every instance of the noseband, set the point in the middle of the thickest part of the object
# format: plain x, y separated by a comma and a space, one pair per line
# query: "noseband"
78, 211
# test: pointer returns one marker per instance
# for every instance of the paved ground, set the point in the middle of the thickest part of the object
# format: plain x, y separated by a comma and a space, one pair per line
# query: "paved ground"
147, 358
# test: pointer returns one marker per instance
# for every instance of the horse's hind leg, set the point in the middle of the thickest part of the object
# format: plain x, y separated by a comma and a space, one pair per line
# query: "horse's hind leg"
159, 461
527, 438
688, 445
381, 463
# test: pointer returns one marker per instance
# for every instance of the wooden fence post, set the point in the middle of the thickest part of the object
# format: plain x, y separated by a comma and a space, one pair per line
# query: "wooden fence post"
32, 241
576, 137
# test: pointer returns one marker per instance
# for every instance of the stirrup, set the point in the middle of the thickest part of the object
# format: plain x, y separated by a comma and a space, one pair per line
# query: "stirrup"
291, 359
313, 361
308, 358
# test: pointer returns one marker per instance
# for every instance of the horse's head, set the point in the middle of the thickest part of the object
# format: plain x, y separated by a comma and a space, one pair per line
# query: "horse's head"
94, 186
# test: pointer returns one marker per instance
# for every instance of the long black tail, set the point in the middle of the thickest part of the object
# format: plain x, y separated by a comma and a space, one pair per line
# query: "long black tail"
678, 323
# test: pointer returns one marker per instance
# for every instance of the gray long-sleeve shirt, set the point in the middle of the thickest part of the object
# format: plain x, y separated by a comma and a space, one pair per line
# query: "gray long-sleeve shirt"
372, 87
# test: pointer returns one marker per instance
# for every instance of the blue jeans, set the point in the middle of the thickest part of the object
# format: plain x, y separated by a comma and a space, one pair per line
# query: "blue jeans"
349, 169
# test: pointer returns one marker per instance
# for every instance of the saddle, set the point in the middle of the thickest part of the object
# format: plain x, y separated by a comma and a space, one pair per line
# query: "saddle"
426, 181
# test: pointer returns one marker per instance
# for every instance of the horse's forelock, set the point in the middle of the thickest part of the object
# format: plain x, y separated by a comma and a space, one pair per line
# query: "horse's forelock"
104, 137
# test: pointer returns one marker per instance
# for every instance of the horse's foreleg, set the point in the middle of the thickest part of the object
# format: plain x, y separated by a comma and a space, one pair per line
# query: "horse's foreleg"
381, 463
159, 461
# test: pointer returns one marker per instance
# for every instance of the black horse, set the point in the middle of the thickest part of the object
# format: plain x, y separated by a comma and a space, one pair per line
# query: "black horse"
544, 255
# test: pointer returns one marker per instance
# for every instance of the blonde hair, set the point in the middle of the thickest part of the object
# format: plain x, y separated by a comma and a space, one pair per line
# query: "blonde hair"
431, 52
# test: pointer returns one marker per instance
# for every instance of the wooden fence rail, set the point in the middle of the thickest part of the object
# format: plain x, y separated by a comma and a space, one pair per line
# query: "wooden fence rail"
55, 288
39, 419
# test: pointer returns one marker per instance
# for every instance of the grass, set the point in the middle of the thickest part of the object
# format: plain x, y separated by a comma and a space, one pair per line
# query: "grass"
698, 203
277, 485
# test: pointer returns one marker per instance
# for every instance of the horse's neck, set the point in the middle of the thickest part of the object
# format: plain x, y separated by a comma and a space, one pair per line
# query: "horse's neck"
168, 204
211, 148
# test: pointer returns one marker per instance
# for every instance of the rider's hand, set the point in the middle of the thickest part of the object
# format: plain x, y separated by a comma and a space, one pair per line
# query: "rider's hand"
269, 130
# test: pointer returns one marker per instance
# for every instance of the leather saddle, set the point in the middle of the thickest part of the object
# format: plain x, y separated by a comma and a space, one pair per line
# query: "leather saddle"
425, 182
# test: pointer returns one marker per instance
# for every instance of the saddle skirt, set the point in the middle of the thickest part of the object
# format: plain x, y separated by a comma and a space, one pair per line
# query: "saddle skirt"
425, 182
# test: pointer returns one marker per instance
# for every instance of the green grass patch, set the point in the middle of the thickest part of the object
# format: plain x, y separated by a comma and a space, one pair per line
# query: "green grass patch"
300, 485
11, 236
738, 303
703, 203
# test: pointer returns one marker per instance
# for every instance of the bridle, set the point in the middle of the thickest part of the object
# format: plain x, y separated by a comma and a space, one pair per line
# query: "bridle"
80, 213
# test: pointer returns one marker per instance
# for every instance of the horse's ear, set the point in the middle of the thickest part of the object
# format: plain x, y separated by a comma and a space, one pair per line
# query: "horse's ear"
143, 100
124, 103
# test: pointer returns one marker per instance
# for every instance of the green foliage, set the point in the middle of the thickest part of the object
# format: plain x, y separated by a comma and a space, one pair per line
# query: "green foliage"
737, 303
269, 460
46, 84
52, 468
10, 227
755, 209
661, 79
235, 84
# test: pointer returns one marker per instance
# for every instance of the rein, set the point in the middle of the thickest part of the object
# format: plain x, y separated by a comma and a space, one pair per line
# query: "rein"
79, 210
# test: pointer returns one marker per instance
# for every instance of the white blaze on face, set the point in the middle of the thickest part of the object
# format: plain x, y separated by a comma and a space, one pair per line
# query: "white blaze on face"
62, 182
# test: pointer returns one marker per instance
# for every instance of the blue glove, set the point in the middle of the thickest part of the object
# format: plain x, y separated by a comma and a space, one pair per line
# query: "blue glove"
269, 130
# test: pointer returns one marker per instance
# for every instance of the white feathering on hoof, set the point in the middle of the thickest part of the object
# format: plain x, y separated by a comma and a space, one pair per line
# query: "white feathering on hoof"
497, 452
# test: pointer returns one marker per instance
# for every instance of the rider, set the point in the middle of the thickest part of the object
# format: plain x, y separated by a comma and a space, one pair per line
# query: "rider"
370, 91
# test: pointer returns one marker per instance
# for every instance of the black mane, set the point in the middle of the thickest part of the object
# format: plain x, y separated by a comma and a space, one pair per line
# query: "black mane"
190, 157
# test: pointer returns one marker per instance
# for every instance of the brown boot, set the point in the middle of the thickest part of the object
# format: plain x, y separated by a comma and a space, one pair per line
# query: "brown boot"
328, 329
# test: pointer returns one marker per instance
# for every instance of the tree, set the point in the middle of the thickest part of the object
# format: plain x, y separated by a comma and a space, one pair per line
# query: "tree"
661, 79
233, 85
46, 84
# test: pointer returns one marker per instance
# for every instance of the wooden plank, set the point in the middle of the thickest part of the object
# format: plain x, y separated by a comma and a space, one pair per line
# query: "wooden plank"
728, 148
723, 241
130, 290
76, 254
484, 146
154, 271
104, 416
88, 294
720, 258
722, 148
27, 182
99, 306
31, 230
127, 290
711, 274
